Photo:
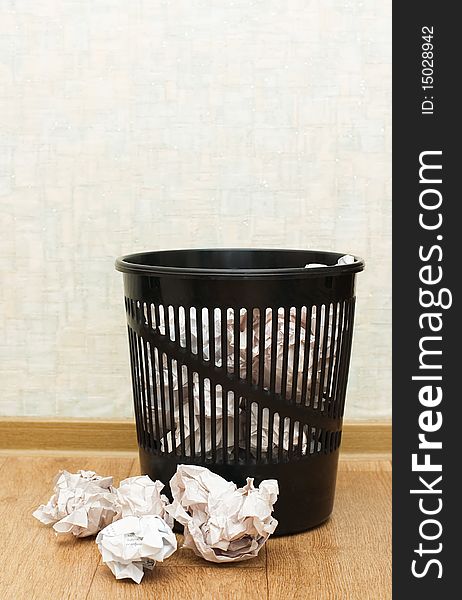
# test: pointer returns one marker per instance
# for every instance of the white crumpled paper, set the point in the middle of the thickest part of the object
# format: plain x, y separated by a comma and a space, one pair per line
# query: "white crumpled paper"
133, 544
221, 522
83, 503
139, 496
347, 259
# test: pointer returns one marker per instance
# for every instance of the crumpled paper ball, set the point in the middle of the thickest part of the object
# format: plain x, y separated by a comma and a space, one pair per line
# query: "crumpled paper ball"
138, 496
221, 522
83, 503
133, 544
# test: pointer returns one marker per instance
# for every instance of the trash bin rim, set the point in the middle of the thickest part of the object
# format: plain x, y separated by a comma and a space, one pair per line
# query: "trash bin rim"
125, 264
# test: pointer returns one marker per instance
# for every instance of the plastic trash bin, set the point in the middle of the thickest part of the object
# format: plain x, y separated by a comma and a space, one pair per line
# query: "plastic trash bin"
239, 362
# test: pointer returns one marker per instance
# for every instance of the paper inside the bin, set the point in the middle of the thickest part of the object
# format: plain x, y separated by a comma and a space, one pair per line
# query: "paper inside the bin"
133, 544
83, 503
138, 496
221, 522
221, 407
347, 259
224, 404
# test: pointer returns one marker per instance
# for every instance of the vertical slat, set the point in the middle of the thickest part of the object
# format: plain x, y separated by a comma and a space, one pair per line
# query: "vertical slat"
157, 316
168, 324
152, 316
201, 414
139, 387
259, 432
285, 351
160, 358
191, 409
179, 375
248, 371
180, 332
282, 424
338, 358
342, 393
134, 383
224, 430
149, 376
187, 327
274, 342
171, 401
179, 372
302, 435
213, 417
142, 389
168, 332
237, 360
247, 416
306, 356
160, 319
291, 437
298, 320
261, 348
224, 339
176, 322
211, 314
148, 392
236, 427
248, 343
200, 334
330, 369
224, 392
173, 315
270, 436
137, 374
324, 356
156, 398
237, 342
155, 376
314, 369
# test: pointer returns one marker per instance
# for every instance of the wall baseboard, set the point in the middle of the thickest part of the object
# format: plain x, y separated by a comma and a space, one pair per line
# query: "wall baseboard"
119, 436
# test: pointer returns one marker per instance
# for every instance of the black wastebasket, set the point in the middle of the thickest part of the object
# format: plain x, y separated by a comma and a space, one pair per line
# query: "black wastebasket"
239, 362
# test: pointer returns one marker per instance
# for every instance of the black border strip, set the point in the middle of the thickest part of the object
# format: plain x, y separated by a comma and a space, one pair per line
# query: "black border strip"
417, 132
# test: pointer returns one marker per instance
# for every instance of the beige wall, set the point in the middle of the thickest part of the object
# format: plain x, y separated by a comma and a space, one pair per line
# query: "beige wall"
128, 126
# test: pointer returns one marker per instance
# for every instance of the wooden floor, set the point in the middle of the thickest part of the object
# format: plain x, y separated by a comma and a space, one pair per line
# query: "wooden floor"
347, 558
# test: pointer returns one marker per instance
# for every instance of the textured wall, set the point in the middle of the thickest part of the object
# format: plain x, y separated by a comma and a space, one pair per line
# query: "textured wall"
128, 126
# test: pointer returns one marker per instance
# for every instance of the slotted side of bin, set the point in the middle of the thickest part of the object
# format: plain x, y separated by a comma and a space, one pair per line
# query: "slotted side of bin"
245, 377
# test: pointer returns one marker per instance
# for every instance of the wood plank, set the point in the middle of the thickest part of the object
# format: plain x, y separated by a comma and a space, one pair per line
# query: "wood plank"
37, 564
191, 583
120, 435
347, 557
68, 453
359, 437
357, 462
68, 434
